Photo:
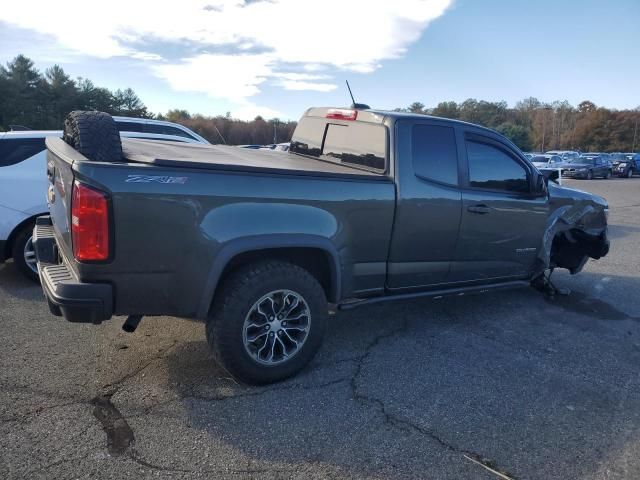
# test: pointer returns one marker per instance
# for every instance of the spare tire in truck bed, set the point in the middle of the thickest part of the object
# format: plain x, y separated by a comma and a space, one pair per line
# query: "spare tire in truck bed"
94, 134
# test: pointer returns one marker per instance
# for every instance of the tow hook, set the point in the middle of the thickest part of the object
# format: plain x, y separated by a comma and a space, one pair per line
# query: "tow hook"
131, 323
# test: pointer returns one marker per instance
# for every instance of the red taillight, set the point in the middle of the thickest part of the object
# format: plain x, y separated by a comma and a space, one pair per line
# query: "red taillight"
89, 224
342, 114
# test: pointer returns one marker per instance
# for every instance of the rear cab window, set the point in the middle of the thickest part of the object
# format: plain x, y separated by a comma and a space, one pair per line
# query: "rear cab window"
16, 150
356, 144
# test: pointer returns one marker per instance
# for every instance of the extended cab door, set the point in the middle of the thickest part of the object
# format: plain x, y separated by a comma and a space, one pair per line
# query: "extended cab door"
503, 218
428, 203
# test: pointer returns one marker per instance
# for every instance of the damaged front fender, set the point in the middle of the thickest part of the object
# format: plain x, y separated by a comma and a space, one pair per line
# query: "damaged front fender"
576, 230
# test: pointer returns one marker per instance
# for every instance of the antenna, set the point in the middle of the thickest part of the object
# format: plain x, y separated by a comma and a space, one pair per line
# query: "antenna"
357, 106
353, 100
219, 133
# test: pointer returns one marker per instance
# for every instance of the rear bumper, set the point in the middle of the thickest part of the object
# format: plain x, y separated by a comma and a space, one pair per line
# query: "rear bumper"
67, 297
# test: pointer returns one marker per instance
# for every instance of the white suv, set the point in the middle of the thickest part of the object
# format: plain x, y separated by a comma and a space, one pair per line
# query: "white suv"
23, 181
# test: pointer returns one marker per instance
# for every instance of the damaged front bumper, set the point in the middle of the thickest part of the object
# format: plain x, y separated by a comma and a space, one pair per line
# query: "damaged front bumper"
576, 230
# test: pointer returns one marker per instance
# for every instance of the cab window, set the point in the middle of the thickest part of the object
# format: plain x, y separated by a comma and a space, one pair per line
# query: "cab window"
166, 130
493, 169
434, 153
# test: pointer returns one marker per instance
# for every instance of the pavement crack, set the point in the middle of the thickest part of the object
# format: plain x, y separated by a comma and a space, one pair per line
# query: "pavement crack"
56, 463
119, 434
112, 388
137, 458
405, 424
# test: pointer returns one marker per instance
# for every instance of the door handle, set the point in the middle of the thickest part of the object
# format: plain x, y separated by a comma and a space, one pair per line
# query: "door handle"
479, 209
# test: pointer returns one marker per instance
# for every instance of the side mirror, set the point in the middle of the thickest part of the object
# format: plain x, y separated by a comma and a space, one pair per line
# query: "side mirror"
541, 184
550, 174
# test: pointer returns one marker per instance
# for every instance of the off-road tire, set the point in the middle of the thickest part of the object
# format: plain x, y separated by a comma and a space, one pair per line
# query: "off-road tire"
17, 252
94, 134
234, 300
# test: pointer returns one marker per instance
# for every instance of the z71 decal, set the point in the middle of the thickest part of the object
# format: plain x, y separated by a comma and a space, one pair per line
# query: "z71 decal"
154, 179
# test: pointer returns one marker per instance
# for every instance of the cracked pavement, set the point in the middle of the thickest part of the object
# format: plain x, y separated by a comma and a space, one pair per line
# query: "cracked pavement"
503, 385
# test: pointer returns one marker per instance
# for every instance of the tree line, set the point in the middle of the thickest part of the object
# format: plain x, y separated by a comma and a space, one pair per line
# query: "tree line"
538, 126
31, 99
39, 100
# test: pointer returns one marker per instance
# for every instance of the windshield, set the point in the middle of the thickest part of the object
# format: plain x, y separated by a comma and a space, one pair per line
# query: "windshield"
584, 161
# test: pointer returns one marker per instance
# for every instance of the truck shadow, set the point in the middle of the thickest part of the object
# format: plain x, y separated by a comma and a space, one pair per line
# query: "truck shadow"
524, 384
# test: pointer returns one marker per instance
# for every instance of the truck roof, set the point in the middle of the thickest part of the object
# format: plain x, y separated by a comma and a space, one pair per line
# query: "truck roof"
373, 115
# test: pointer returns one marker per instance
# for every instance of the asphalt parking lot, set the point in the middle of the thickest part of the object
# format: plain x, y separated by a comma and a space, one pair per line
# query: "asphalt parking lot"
505, 385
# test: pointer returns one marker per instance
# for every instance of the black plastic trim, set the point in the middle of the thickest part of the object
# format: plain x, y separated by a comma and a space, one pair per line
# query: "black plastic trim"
74, 300
263, 242
434, 293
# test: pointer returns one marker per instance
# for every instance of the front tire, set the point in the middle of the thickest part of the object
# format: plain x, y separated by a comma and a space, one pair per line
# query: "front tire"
629, 173
589, 175
267, 322
24, 256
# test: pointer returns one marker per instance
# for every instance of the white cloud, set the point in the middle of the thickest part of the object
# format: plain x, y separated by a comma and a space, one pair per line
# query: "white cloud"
299, 76
299, 85
249, 111
225, 76
354, 35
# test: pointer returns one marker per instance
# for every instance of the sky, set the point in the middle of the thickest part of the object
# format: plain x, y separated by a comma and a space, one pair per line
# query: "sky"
276, 58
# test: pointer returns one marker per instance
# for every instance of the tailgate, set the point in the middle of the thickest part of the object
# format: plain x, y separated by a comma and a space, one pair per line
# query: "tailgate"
60, 158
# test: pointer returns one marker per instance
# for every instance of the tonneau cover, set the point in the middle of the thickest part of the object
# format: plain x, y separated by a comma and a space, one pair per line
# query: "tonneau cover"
193, 155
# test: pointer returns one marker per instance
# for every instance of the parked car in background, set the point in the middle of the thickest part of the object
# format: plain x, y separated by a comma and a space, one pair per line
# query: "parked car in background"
23, 183
546, 161
278, 147
565, 155
588, 166
624, 165
158, 127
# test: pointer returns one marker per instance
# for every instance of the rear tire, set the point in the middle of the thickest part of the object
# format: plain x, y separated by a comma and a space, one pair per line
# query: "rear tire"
229, 327
23, 254
589, 175
94, 134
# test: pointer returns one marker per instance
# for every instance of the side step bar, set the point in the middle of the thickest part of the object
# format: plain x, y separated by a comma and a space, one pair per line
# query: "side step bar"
449, 292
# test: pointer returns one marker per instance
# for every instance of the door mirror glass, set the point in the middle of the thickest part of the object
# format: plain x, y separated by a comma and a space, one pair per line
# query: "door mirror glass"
541, 184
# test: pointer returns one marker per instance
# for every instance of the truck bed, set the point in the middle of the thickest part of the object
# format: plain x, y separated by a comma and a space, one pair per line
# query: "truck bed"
192, 155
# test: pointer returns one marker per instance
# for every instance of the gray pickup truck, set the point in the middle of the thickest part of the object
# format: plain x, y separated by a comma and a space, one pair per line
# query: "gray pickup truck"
367, 206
